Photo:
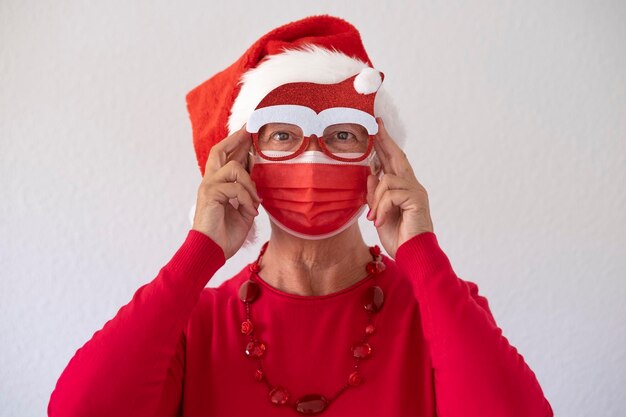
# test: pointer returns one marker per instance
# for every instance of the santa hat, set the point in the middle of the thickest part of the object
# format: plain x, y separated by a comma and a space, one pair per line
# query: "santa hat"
318, 49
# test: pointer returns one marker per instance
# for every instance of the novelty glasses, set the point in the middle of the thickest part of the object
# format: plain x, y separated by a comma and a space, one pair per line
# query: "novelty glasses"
284, 132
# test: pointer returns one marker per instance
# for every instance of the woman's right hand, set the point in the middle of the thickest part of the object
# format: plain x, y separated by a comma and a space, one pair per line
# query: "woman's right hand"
227, 201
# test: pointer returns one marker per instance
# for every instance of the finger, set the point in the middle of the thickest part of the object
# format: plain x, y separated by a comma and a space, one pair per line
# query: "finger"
372, 183
227, 191
391, 200
220, 153
386, 183
397, 161
233, 171
241, 153
383, 158
243, 211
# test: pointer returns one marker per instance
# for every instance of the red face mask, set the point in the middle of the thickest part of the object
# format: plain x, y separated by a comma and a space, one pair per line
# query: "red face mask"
312, 196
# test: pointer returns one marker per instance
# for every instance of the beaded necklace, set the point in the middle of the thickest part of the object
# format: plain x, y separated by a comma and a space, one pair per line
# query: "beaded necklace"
372, 302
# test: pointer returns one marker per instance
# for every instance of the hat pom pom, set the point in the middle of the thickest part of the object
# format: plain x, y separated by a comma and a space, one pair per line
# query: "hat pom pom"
367, 81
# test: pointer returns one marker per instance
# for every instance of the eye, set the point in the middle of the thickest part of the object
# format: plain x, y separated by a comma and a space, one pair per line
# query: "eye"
344, 136
281, 136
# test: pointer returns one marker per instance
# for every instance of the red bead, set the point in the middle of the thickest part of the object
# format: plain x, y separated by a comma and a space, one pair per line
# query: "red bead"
375, 267
279, 395
370, 329
361, 350
248, 291
247, 327
311, 404
254, 267
375, 251
258, 375
355, 378
373, 299
255, 349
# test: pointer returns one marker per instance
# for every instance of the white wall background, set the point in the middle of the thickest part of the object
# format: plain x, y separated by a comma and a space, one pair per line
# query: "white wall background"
517, 125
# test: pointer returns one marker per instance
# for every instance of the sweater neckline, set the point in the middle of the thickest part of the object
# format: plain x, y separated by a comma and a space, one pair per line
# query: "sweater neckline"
343, 292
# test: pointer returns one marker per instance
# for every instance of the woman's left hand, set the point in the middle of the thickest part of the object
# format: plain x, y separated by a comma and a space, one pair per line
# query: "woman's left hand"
398, 202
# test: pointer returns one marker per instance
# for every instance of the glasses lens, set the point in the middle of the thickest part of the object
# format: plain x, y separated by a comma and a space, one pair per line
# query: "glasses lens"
280, 139
347, 140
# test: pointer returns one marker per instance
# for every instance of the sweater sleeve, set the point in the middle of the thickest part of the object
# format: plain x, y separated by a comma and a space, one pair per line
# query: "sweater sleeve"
477, 372
132, 366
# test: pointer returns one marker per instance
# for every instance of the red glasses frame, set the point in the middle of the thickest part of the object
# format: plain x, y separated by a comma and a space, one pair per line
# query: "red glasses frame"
305, 145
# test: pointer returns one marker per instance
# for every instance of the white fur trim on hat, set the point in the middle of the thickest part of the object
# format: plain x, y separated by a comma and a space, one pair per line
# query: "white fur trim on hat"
312, 63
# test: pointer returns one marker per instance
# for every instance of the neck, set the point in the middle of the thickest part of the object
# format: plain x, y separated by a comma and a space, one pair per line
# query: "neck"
314, 267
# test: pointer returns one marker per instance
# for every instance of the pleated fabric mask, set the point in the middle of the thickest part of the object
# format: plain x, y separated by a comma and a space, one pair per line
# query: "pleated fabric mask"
312, 196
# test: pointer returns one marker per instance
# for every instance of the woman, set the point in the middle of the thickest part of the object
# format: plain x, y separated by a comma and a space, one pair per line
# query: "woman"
319, 322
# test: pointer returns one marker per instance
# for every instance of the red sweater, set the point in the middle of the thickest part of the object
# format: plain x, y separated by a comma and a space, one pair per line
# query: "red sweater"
176, 349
